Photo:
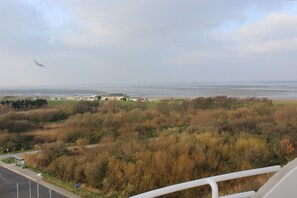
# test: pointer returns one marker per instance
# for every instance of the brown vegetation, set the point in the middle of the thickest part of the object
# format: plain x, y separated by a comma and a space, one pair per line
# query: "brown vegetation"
146, 147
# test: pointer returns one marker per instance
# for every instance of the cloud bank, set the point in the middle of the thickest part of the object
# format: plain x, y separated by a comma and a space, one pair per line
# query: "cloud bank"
112, 41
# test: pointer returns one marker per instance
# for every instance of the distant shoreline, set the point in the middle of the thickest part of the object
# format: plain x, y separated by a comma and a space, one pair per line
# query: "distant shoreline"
272, 90
156, 98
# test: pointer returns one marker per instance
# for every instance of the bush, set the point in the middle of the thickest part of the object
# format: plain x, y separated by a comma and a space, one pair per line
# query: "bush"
51, 115
85, 106
17, 125
173, 142
50, 152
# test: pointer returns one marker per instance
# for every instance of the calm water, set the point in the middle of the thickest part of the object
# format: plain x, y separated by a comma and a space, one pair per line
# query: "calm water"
285, 90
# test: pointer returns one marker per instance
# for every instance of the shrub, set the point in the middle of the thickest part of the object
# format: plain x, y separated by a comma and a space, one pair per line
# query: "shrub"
85, 106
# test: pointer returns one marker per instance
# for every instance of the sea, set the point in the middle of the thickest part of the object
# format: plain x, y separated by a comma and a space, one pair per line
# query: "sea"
268, 89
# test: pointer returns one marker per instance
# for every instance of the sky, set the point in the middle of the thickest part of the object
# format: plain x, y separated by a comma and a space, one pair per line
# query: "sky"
147, 41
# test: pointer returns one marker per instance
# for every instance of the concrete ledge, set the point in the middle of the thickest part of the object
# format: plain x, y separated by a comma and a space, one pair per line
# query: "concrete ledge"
281, 184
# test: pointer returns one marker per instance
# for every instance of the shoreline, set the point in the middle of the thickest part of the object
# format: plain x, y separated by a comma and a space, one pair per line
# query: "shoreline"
153, 98
274, 90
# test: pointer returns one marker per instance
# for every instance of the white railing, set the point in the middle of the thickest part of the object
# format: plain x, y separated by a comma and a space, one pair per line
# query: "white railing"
212, 181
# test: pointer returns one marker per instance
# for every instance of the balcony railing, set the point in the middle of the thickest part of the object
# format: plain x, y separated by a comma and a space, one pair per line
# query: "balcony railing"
212, 181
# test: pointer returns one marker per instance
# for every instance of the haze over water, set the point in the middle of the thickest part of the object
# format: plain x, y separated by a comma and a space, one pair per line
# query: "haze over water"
271, 89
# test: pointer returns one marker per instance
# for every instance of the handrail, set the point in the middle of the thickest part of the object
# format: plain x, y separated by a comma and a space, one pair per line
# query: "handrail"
210, 180
241, 195
214, 187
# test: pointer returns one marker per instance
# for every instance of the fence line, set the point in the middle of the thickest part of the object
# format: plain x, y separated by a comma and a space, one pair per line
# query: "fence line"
17, 190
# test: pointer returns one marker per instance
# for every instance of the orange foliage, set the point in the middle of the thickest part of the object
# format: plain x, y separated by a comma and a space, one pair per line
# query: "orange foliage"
145, 148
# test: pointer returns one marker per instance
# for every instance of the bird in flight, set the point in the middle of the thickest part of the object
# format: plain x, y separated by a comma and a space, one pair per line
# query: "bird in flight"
38, 64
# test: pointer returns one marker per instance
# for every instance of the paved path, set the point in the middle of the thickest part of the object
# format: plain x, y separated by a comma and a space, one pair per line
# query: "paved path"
20, 154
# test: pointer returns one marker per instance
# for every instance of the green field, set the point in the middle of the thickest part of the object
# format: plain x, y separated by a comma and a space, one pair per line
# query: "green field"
54, 103
285, 102
9, 160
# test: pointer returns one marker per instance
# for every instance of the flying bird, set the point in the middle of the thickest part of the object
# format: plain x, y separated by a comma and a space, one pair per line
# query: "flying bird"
38, 64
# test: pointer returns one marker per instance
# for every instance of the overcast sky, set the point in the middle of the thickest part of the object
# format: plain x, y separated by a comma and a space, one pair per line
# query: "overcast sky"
114, 41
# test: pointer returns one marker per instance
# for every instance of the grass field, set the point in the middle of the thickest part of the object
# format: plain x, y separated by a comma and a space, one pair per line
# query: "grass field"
9, 160
132, 104
285, 102
53, 103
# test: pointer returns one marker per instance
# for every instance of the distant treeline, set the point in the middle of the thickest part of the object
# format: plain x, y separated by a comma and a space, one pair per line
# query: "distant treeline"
24, 104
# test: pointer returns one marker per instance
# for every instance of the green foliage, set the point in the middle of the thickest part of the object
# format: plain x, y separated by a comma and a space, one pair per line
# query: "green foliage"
9, 160
10, 142
24, 104
285, 103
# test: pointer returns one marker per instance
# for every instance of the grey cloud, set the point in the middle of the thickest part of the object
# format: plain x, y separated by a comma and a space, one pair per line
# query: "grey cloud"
136, 40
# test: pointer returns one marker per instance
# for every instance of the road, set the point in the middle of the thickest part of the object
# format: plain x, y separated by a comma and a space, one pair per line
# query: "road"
8, 186
10, 175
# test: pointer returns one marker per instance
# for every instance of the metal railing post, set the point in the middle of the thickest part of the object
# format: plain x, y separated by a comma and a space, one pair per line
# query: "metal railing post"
17, 185
30, 193
214, 188
50, 192
37, 188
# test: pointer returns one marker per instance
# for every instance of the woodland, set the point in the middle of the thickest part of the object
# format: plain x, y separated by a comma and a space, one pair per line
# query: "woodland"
142, 146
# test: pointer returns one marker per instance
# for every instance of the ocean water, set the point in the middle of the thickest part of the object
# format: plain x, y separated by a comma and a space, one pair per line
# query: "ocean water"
271, 89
